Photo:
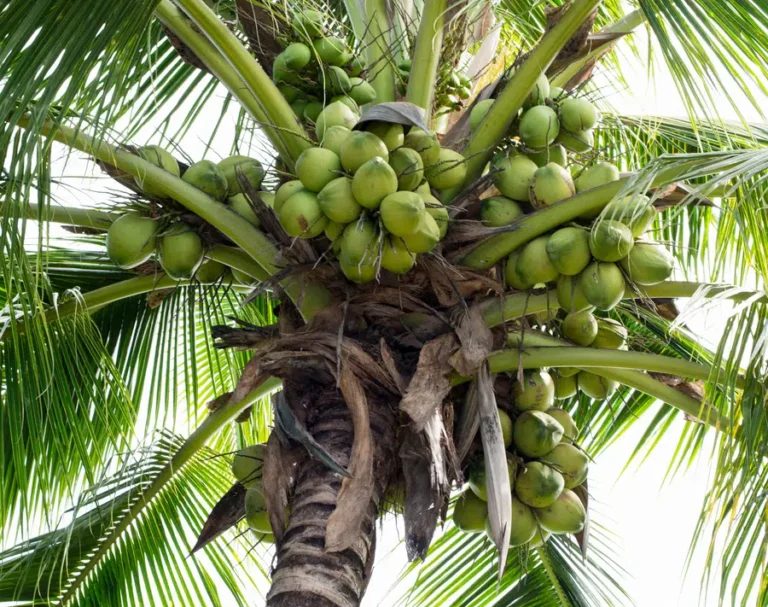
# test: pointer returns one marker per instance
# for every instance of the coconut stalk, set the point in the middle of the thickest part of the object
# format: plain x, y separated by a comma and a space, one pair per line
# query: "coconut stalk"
424, 68
377, 43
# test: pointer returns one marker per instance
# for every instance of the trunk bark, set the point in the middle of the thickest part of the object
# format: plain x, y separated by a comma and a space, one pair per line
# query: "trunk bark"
305, 573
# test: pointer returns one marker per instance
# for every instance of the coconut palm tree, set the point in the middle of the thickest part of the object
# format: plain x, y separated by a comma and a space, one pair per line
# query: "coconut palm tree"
128, 384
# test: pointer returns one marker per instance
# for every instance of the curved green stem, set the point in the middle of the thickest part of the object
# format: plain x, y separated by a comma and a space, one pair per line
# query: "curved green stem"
544, 556
54, 213
378, 49
237, 259
215, 422
424, 69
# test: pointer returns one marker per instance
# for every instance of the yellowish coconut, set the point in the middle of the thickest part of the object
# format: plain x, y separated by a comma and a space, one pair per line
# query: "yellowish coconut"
611, 334
565, 387
373, 182
565, 515
533, 265
401, 213
602, 284
499, 211
570, 295
409, 168
595, 386
359, 148
610, 240
390, 133
242, 206
570, 430
395, 256
317, 167
337, 202
426, 236
285, 191
511, 276
513, 176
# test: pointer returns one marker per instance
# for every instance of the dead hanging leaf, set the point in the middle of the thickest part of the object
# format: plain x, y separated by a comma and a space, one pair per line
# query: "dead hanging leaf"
157, 297
431, 382
468, 424
496, 471
398, 112
225, 514
476, 342
582, 537
276, 479
356, 491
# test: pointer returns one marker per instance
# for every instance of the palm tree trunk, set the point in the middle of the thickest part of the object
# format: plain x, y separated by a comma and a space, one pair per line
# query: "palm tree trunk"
305, 573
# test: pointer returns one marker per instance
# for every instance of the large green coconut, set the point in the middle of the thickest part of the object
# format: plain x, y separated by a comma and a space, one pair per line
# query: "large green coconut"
373, 182
533, 265
308, 23
337, 202
539, 127
499, 211
570, 295
479, 110
333, 232
581, 141
470, 512
554, 153
408, 166
425, 144
602, 284
312, 111
565, 515
636, 212
390, 133
580, 327
360, 242
536, 433
570, 430
538, 485
160, 158
210, 272
256, 514
242, 206
478, 479
537, 392
648, 264
362, 92
248, 463
611, 334
565, 387
334, 137
180, 251
338, 82
317, 167
401, 212
551, 183
511, 276
597, 175
296, 56
358, 272
426, 236
523, 527
513, 176
540, 92
395, 256
131, 240
292, 94
359, 148
577, 114
285, 191
282, 74
330, 50
595, 386
335, 114
208, 177
299, 105
301, 216
448, 171
570, 461
610, 240
568, 250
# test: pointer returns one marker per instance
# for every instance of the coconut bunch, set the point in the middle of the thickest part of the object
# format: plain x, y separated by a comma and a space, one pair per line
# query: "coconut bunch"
247, 470
451, 89
370, 192
135, 236
545, 467
316, 68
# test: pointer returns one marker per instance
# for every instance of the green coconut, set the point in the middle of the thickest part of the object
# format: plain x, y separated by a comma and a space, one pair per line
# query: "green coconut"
395, 256
348, 101
408, 166
513, 176
570, 295
595, 386
425, 144
285, 191
438, 211
538, 485
540, 92
247, 465
360, 147
357, 272
268, 198
401, 212
537, 392
470, 513
478, 479
648, 263
131, 240
299, 105
636, 212
242, 206
610, 240
334, 137
296, 56
301, 216
581, 141
317, 167
533, 265
511, 276
565, 387
580, 327
539, 127
208, 177
554, 153
570, 430
282, 74
389, 132
567, 371
539, 538
333, 232
308, 23
597, 175
570, 461
180, 252
312, 112
373, 182
330, 50
568, 250
210, 272
577, 114
557, 93
536, 433
292, 94
361, 91
551, 183
448, 172
479, 110
335, 114
499, 211
241, 278
523, 526
338, 82
565, 515
160, 158
337, 202
256, 514
611, 334
602, 284
426, 236
360, 242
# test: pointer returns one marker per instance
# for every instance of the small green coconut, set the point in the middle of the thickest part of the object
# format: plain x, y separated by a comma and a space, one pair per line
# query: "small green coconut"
539, 538
285, 191
395, 256
282, 74
401, 213
243, 279
578, 114
540, 92
636, 212
565, 387
296, 56
208, 177
478, 479
210, 272
160, 158
389, 132
539, 127
292, 94
335, 114
333, 232
499, 211
334, 137
356, 65
611, 334
537, 392
360, 242
533, 265
439, 213
551, 183
426, 236
581, 141
357, 272
346, 100
648, 263
596, 175
330, 50
570, 430
180, 252
570, 461
248, 463
580, 327
536, 433
317, 167
308, 23
361, 91
242, 206
506, 427
337, 202
131, 240
538, 485
568, 250
359, 148
479, 110
554, 153
256, 514
470, 513
373, 182
610, 240
312, 111
595, 386
298, 106
301, 216
565, 515
513, 176
425, 144
523, 527
409, 168
602, 284
570, 295
511, 276
448, 172
557, 93
338, 82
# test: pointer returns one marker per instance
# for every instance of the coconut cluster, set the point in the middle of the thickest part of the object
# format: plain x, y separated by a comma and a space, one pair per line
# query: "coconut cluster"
545, 466
451, 89
316, 68
370, 192
247, 470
